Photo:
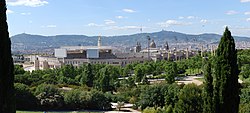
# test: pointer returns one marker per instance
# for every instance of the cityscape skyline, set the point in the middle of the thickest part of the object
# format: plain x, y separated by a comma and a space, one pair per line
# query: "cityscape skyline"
112, 18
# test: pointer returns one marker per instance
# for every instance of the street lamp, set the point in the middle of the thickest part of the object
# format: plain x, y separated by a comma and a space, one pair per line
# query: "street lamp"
148, 46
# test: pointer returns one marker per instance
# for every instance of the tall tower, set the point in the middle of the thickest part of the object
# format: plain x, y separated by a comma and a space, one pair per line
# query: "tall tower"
187, 53
148, 47
169, 51
36, 63
137, 48
99, 41
166, 47
202, 49
45, 65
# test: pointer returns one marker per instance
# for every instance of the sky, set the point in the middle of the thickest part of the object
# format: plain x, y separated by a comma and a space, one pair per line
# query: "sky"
124, 17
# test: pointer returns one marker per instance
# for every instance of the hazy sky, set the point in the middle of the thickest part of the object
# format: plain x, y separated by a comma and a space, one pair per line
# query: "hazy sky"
119, 17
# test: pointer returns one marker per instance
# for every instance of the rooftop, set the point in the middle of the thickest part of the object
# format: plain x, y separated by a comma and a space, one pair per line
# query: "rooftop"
85, 47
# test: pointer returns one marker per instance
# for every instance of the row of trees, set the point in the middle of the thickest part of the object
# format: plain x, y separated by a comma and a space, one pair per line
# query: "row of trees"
105, 77
50, 97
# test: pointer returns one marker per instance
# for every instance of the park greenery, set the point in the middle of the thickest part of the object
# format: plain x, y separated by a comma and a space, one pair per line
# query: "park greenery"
95, 86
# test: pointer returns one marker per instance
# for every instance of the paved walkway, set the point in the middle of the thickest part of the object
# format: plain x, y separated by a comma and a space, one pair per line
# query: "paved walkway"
126, 110
190, 79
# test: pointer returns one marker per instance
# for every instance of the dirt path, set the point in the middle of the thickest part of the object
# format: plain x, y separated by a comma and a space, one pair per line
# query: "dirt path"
191, 79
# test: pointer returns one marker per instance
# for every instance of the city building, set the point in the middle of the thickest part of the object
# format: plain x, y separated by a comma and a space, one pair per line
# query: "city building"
79, 55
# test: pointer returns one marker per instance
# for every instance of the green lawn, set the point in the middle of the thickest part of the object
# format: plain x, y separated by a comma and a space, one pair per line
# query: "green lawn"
54, 112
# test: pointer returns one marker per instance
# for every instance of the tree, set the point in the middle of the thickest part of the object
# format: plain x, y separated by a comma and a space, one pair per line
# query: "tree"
76, 99
90, 75
152, 96
18, 69
139, 74
104, 80
171, 94
226, 86
171, 72
208, 88
99, 101
25, 100
190, 100
49, 96
7, 95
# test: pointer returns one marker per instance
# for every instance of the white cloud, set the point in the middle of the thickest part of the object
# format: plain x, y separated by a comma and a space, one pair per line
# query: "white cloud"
25, 13
128, 10
109, 22
204, 21
30, 3
94, 25
248, 19
9, 11
231, 12
244, 0
119, 17
190, 17
173, 23
247, 13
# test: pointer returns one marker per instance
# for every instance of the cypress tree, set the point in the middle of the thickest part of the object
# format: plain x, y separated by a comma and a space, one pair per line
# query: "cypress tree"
208, 88
90, 75
7, 96
226, 86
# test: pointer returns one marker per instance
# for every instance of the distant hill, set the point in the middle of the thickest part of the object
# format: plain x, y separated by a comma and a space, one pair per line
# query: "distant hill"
27, 43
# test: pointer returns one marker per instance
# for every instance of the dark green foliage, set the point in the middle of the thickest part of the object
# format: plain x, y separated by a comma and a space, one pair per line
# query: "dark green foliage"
171, 72
158, 95
49, 97
190, 100
99, 101
46, 88
7, 95
208, 88
145, 80
244, 100
139, 74
226, 87
152, 97
194, 63
76, 99
25, 100
171, 94
109, 84
18, 69
104, 80
90, 76
68, 71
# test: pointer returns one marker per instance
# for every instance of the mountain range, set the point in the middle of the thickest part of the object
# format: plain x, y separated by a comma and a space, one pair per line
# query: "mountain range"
27, 43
